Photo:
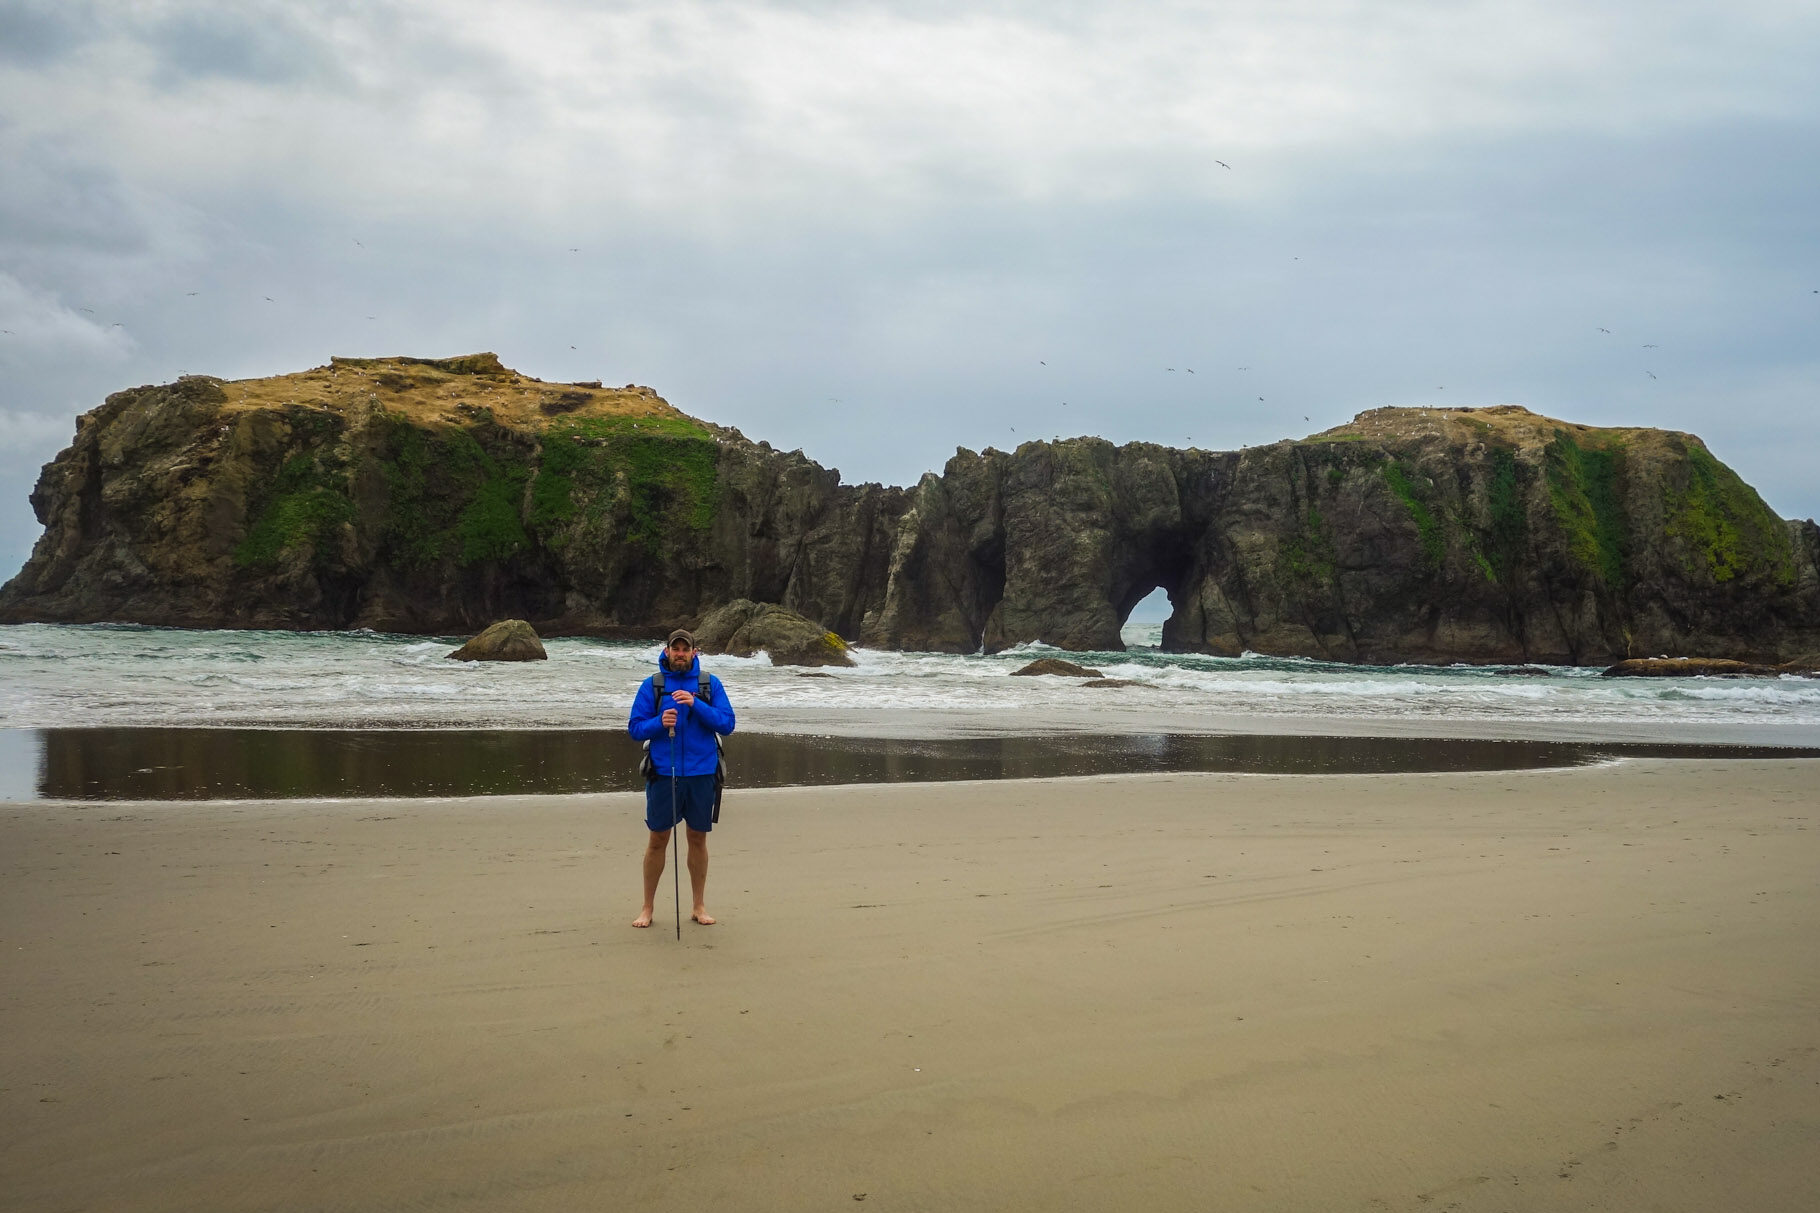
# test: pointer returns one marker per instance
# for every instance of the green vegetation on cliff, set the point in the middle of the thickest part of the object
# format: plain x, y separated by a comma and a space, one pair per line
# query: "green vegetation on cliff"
1308, 559
305, 504
1434, 542
1727, 530
449, 496
459, 493
1584, 487
664, 466
1508, 536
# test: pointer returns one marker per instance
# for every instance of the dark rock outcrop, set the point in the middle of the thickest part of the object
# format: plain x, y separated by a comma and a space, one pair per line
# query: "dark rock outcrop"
744, 627
1697, 667
507, 640
1057, 667
432, 496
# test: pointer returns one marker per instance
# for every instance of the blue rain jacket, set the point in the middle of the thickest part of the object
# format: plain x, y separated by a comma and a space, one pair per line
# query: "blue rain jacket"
696, 724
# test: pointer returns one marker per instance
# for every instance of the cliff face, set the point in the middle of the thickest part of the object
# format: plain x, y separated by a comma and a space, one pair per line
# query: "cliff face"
1428, 535
437, 495
432, 496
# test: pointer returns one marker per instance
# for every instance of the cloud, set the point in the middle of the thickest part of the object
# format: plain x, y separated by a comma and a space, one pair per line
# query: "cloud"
269, 44
35, 327
722, 114
24, 430
857, 227
34, 32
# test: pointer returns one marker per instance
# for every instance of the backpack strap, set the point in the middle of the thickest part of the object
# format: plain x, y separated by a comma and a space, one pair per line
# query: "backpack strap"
657, 695
704, 687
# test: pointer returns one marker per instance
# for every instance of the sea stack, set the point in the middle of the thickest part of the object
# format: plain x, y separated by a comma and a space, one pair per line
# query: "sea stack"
507, 640
433, 496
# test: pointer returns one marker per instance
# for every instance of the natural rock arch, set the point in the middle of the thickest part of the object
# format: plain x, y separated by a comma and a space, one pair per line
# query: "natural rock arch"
434, 496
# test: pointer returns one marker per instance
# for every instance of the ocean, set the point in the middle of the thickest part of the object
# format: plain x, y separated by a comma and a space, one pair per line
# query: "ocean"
64, 676
103, 711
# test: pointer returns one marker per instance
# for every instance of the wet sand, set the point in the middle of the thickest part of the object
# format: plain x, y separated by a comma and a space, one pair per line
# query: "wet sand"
137, 764
1588, 989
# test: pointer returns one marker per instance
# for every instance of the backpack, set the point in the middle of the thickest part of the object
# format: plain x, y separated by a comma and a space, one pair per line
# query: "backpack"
704, 690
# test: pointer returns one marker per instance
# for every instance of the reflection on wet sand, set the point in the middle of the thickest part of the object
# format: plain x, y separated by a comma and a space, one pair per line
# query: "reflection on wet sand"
211, 764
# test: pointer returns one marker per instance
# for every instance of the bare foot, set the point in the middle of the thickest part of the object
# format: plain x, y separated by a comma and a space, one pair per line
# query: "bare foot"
644, 918
703, 917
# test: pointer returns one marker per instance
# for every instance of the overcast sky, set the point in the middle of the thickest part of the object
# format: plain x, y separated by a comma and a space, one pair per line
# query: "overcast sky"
881, 230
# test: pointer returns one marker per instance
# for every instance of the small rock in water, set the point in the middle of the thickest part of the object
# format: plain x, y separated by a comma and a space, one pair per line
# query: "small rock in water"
507, 640
1055, 665
1690, 667
1115, 682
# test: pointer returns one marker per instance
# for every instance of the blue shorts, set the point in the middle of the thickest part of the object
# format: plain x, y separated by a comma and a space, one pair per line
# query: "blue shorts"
694, 803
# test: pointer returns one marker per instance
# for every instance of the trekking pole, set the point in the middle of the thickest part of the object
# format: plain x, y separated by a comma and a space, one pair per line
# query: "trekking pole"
675, 845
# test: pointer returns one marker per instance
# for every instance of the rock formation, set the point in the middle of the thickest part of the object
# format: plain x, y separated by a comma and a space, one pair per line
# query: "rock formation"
431, 496
1056, 667
744, 627
1704, 667
507, 640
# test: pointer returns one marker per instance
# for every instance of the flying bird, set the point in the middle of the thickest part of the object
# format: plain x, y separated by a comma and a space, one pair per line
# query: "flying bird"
192, 292
1603, 329
1190, 370
357, 244
1260, 397
1651, 374
1222, 164
269, 299
89, 310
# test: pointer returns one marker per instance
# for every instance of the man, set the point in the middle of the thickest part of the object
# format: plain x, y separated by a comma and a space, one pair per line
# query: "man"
692, 718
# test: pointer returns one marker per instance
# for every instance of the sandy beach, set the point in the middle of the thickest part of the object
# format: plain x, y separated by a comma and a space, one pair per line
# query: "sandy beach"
1582, 989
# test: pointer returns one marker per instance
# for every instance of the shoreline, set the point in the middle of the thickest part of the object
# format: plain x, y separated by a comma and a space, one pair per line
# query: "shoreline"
138, 765
81, 678
1110, 717
1156, 716
1515, 990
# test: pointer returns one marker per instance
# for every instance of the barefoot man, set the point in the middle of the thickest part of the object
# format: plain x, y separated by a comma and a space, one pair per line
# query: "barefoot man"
682, 732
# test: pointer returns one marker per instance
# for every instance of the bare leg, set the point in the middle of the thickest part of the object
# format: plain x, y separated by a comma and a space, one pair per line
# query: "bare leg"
656, 851
698, 873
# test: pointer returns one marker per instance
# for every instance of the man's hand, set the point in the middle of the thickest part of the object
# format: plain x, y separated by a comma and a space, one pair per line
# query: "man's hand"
683, 697
669, 718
